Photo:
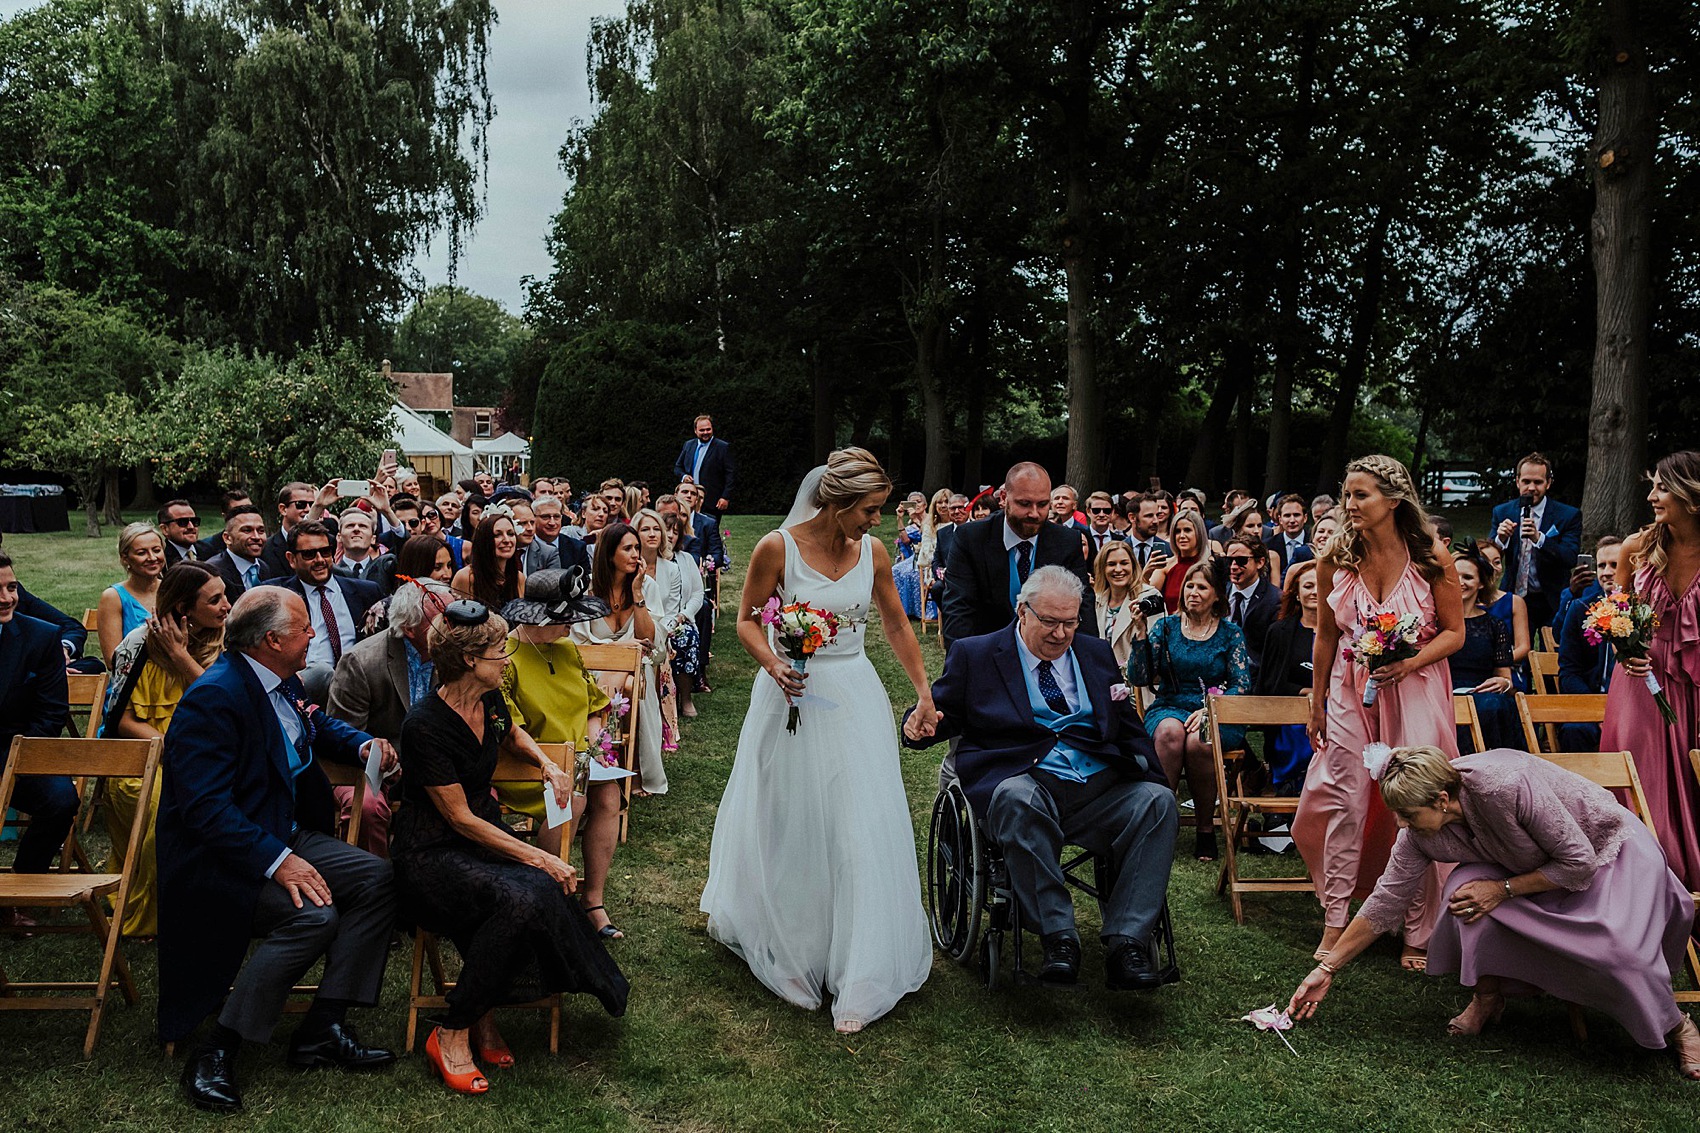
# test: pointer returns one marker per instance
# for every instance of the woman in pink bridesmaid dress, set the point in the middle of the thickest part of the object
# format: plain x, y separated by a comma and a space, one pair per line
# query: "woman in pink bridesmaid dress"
1384, 559
1665, 559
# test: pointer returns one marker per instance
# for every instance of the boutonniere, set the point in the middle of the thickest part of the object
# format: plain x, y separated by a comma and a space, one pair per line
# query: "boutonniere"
500, 723
307, 711
1118, 692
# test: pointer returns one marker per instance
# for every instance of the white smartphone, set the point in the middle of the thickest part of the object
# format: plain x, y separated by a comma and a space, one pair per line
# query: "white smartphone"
353, 489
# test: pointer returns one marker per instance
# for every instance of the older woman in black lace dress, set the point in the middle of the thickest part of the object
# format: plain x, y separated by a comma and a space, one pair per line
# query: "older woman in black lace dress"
461, 873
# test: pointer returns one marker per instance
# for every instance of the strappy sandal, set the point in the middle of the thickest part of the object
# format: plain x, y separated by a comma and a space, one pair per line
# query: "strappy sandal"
1414, 959
1482, 1010
1687, 1058
607, 931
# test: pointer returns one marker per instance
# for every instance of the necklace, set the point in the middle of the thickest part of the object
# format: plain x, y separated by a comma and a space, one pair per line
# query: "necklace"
541, 656
1193, 635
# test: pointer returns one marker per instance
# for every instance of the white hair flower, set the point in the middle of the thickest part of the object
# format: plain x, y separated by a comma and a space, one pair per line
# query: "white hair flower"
1375, 759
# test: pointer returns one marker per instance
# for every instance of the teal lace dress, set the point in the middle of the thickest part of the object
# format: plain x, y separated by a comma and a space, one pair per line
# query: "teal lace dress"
1178, 670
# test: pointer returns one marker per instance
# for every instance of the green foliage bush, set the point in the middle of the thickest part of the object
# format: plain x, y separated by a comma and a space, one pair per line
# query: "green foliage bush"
618, 400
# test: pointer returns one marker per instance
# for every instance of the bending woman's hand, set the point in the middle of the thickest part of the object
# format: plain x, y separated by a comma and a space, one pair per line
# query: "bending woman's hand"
1310, 993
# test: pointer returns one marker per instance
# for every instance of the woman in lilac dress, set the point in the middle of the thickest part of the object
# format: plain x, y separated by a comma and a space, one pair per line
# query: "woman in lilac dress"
1665, 561
1559, 889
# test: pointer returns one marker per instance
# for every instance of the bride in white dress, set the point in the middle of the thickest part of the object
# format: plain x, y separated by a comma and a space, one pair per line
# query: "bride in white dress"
812, 877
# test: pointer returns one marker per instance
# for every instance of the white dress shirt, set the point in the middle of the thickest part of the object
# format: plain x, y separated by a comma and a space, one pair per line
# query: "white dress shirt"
319, 650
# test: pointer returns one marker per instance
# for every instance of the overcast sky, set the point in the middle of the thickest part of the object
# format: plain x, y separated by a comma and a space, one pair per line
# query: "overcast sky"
537, 79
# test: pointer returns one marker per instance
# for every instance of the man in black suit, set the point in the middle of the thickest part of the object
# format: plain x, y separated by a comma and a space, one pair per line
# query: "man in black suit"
1100, 523
1253, 601
363, 557
182, 528
1145, 519
1552, 533
707, 461
1289, 542
336, 605
990, 559
296, 503
1065, 502
34, 701
240, 564
246, 849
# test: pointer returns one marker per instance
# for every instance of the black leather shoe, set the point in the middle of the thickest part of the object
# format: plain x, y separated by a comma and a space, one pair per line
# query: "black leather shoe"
209, 1080
336, 1045
1062, 959
1129, 968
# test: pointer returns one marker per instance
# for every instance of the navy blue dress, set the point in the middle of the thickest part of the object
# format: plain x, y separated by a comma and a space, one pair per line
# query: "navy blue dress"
1487, 648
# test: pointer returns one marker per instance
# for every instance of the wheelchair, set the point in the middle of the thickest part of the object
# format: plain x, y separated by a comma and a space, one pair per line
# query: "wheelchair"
967, 880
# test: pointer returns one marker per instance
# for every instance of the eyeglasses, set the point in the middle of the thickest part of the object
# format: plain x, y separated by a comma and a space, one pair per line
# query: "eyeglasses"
498, 657
191, 521
302, 504
1103, 511
1053, 624
411, 523
312, 552
1238, 560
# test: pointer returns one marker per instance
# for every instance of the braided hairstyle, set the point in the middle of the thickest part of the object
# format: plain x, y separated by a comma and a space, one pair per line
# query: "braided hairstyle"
1346, 547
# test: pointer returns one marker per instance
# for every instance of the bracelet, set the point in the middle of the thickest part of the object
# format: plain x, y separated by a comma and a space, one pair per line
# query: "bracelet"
1327, 967
1508, 891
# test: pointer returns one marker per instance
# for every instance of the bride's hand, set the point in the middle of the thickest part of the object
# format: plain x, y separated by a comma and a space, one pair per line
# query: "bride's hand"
789, 680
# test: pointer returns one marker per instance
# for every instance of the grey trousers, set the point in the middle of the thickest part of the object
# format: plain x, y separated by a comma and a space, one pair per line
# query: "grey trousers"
1129, 823
352, 933
316, 682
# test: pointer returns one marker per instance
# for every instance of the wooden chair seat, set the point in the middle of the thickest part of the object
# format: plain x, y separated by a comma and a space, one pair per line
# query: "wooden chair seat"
77, 759
1233, 810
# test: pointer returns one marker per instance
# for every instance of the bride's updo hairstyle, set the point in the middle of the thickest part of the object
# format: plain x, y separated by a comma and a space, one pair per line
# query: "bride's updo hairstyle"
851, 473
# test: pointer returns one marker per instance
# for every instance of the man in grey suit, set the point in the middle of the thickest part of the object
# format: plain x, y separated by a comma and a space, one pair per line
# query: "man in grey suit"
535, 554
379, 681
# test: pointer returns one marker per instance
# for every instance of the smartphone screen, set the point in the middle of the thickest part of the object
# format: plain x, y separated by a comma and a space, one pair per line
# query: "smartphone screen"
353, 489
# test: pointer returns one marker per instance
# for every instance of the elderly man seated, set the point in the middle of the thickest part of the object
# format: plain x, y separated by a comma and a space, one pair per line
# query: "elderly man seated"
1052, 753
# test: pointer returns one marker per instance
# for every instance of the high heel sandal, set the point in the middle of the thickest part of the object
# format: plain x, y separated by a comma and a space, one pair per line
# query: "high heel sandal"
607, 931
497, 1054
473, 1083
1687, 1060
1482, 1010
1204, 846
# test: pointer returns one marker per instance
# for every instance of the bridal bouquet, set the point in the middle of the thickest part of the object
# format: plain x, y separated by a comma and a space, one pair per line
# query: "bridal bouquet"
1627, 620
800, 631
1386, 638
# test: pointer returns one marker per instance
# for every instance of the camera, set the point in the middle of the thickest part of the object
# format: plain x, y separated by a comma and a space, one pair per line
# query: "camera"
1151, 604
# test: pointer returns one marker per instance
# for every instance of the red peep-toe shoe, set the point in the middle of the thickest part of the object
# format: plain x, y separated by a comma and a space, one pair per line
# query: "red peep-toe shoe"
471, 1083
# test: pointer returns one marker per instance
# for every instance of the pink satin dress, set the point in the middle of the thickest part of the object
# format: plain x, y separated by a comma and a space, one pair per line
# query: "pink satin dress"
1633, 723
1343, 830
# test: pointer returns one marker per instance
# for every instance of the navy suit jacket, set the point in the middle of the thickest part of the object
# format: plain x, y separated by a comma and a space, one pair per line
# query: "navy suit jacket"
229, 570
984, 698
359, 594
1581, 667
1555, 558
716, 474
72, 635
976, 594
1261, 610
34, 699
1278, 544
707, 531
226, 809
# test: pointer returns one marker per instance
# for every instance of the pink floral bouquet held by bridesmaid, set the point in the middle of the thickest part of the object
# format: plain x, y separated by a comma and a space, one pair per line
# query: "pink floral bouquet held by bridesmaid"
1384, 639
799, 630
1628, 621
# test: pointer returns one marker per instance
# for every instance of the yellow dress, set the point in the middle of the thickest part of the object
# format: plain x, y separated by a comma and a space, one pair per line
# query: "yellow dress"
552, 696
153, 701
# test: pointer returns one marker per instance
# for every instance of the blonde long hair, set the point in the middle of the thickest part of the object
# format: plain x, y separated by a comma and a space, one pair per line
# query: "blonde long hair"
1346, 547
1680, 473
930, 528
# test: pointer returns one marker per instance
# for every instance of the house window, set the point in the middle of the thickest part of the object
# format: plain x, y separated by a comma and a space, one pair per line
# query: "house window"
481, 423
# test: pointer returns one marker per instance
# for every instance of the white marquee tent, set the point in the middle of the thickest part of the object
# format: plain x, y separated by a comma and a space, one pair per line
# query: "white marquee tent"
427, 449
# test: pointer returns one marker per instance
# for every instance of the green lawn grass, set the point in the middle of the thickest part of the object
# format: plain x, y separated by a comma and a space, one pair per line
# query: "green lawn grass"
705, 1047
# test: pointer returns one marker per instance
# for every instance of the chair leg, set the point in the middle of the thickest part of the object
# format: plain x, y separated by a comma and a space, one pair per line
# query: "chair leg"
1578, 1025
413, 987
108, 936
555, 1027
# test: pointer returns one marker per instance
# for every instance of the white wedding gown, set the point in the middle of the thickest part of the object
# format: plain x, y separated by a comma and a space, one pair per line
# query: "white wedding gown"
812, 878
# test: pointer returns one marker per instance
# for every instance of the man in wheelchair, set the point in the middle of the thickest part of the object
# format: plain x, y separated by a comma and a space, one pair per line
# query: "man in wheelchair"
1052, 753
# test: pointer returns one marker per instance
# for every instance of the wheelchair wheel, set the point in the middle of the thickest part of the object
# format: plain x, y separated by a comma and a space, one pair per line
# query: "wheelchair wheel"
991, 958
956, 874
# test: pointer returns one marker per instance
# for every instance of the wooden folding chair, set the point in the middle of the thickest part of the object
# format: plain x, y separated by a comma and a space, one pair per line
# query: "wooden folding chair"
1615, 771
349, 775
91, 619
1233, 810
624, 662
426, 950
1543, 672
1464, 715
1548, 712
88, 694
77, 758
1548, 640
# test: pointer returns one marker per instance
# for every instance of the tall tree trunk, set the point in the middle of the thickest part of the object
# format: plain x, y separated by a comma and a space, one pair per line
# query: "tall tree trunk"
145, 499
1355, 365
113, 511
1419, 452
931, 330
897, 409
1295, 148
88, 486
1619, 236
1085, 400
826, 426
974, 396
1201, 469
1240, 476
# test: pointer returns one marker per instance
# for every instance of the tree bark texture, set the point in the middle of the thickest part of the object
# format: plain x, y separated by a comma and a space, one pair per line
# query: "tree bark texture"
1619, 236
1373, 272
1085, 400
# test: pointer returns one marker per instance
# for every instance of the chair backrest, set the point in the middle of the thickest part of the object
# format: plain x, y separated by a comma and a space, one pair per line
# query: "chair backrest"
88, 691
1548, 640
1543, 672
616, 657
1547, 712
1464, 715
91, 619
83, 759
1614, 770
349, 775
1269, 711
